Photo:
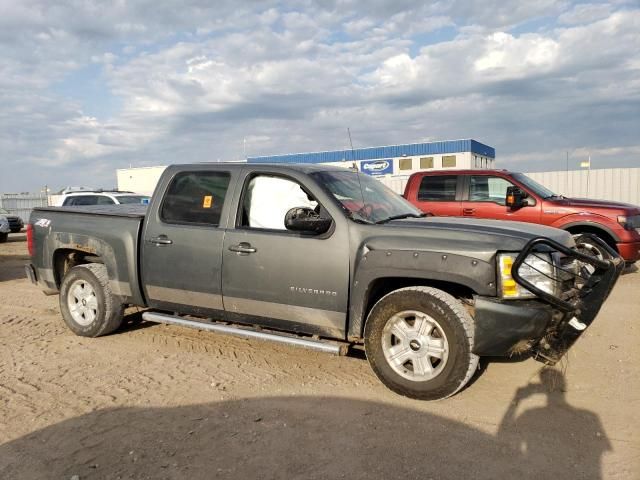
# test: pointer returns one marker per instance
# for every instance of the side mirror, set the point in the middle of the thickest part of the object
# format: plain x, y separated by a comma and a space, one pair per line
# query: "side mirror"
302, 219
516, 198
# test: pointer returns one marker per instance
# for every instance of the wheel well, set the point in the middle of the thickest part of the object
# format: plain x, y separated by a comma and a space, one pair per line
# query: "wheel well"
598, 232
382, 286
65, 259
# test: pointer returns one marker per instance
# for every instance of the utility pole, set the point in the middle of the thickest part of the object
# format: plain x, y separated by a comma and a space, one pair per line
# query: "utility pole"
567, 179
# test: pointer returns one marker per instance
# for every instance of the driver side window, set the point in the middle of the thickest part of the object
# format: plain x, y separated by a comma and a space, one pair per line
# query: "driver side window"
485, 188
267, 200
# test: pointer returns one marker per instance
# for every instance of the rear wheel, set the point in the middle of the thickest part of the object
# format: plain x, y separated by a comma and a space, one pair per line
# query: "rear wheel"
418, 341
88, 306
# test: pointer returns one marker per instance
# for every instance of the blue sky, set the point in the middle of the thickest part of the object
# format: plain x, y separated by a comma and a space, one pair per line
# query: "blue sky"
87, 87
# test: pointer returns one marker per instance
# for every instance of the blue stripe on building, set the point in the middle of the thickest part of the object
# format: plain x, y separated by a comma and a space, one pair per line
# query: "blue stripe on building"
409, 150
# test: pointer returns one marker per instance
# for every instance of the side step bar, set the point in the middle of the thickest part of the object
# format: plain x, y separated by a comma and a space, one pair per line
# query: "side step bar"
334, 348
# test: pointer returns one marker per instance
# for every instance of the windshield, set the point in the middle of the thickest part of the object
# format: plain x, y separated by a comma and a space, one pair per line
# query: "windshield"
365, 198
538, 189
137, 199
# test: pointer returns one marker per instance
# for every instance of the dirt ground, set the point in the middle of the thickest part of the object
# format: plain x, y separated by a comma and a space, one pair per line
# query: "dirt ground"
155, 401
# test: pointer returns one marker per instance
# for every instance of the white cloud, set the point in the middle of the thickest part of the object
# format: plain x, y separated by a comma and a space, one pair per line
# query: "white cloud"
585, 13
193, 81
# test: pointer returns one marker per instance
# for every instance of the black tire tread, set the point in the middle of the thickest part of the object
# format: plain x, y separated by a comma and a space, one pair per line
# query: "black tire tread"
466, 322
113, 308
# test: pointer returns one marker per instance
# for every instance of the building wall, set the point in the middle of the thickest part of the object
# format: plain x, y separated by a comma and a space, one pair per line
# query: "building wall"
141, 180
406, 165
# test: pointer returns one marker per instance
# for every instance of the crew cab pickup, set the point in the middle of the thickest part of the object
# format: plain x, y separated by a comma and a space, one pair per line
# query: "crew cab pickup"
326, 258
504, 195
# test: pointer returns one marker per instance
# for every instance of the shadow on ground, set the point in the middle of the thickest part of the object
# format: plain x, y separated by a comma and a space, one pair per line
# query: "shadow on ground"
12, 266
306, 437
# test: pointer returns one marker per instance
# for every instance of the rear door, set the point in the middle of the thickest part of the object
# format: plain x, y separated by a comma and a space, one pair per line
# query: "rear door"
279, 278
485, 197
439, 195
182, 242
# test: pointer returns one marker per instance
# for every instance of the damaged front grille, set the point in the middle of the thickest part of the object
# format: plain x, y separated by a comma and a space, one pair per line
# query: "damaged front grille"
581, 285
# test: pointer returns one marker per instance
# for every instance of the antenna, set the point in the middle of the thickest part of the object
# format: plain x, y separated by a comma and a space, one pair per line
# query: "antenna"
351, 143
353, 159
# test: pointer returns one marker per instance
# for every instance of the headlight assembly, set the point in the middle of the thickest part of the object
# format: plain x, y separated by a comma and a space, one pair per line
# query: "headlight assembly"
537, 268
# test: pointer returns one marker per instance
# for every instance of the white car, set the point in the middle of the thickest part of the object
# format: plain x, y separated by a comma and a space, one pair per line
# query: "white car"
100, 197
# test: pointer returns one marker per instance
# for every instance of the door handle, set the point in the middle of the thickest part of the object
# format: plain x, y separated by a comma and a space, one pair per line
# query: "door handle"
243, 247
468, 211
160, 240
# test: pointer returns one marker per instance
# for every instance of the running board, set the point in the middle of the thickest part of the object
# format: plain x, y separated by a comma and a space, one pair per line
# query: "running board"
323, 346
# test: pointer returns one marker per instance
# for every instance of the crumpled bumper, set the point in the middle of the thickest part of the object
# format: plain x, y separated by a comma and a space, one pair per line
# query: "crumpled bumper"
548, 326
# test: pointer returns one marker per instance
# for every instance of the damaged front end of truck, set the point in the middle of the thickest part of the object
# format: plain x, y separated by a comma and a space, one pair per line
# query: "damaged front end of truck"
550, 294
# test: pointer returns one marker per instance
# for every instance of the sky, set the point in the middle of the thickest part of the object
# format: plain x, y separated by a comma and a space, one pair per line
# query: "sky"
89, 86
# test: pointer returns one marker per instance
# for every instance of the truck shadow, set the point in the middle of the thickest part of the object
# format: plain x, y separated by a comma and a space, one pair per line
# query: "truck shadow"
12, 267
313, 437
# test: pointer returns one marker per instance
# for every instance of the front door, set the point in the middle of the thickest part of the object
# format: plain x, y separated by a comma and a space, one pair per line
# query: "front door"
182, 243
486, 198
280, 278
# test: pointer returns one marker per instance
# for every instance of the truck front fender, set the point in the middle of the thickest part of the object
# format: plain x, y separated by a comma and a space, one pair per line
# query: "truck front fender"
414, 267
589, 221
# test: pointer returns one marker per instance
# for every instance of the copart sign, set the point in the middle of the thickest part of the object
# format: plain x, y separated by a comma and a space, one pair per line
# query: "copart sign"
377, 167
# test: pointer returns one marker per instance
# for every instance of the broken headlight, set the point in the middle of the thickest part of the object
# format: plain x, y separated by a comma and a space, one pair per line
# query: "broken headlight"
537, 268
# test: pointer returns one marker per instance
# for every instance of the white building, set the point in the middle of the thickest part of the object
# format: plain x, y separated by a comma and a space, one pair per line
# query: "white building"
398, 159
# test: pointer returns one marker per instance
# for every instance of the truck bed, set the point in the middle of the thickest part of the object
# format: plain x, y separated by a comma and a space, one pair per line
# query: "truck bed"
109, 232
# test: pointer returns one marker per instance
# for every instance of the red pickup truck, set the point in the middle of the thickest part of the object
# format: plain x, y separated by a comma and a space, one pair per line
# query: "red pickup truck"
504, 195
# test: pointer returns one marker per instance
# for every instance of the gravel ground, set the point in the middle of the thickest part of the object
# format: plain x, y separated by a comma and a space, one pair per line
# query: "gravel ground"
155, 401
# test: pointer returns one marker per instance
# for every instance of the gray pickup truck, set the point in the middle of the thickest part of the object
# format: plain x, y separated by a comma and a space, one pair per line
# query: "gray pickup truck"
325, 258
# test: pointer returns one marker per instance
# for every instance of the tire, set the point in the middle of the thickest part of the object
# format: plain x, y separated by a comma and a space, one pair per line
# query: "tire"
98, 311
584, 244
3, 237
438, 358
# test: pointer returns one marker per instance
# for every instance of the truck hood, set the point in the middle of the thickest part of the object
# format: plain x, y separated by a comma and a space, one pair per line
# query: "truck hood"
462, 236
592, 204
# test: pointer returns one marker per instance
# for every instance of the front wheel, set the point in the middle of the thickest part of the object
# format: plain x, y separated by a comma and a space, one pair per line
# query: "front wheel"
88, 306
586, 245
419, 343
3, 237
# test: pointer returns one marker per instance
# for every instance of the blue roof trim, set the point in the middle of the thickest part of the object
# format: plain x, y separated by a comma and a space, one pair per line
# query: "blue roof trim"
412, 149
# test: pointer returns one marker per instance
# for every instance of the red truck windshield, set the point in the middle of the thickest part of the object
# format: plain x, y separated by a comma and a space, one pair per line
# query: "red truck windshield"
538, 189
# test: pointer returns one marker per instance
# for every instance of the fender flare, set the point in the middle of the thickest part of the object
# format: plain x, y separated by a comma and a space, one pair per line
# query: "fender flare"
595, 225
482, 282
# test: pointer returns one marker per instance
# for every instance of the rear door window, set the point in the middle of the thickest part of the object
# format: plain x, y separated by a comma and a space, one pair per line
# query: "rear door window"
195, 198
102, 200
81, 200
438, 188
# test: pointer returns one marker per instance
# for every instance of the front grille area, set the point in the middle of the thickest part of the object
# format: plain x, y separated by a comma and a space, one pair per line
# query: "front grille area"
575, 274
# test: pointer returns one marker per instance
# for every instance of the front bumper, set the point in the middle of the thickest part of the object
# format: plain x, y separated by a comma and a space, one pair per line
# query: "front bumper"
630, 252
548, 326
504, 328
